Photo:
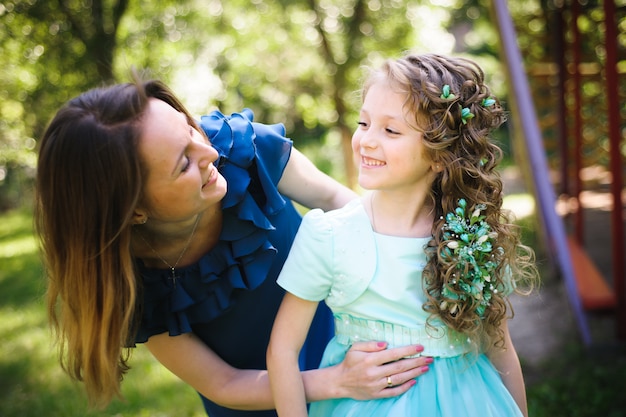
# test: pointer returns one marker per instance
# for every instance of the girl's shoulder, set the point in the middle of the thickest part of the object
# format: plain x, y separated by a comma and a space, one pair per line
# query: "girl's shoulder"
351, 212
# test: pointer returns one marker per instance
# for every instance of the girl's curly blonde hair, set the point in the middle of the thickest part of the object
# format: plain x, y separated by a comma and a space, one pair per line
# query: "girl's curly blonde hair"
463, 147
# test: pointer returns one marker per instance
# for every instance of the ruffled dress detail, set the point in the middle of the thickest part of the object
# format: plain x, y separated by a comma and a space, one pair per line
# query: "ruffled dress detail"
229, 297
244, 255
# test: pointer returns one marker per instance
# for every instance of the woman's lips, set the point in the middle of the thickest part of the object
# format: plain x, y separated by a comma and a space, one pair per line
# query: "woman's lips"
212, 177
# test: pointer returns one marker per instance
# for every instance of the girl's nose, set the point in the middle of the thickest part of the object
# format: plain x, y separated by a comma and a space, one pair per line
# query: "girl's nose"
368, 139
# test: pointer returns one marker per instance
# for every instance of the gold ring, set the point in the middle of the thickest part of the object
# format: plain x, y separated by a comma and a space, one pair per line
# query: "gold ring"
389, 383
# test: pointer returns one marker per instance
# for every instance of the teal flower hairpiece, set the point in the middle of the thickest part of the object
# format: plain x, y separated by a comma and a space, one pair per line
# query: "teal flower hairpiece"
470, 247
446, 94
466, 115
488, 102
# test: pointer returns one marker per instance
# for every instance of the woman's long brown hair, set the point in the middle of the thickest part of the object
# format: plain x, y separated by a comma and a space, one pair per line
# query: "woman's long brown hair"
89, 181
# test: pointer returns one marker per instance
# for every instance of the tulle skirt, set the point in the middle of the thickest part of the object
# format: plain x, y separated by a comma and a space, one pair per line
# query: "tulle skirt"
459, 386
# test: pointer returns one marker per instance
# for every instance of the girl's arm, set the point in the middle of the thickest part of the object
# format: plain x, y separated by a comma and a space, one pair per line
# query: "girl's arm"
508, 364
304, 183
288, 335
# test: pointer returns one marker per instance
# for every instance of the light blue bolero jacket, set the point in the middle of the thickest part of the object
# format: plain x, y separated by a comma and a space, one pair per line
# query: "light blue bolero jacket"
341, 250
334, 258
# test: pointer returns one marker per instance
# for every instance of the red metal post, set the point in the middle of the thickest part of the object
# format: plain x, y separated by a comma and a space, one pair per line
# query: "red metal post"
617, 241
562, 104
578, 124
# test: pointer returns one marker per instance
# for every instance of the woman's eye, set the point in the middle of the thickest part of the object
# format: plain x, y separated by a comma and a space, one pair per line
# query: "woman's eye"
186, 164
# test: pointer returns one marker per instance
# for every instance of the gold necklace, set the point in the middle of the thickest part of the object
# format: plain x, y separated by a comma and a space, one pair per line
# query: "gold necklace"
174, 277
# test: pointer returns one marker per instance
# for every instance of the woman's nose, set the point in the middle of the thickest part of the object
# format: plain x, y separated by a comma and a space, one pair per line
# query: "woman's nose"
208, 155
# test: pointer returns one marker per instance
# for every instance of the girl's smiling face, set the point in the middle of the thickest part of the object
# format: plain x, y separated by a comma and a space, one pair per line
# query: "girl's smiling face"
181, 179
389, 152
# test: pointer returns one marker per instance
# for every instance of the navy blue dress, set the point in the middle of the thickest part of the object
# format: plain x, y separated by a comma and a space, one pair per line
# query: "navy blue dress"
229, 298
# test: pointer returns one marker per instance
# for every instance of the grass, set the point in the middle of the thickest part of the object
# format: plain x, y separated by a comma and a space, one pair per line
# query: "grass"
581, 383
31, 380
577, 383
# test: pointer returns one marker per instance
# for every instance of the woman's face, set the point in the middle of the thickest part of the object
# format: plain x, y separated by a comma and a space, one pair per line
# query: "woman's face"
181, 179
390, 153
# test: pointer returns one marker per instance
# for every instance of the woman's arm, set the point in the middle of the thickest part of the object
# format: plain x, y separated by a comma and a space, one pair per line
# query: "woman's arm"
361, 375
288, 335
507, 363
195, 363
304, 183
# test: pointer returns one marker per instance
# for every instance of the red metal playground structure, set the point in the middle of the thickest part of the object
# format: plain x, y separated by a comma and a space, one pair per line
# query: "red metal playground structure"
589, 291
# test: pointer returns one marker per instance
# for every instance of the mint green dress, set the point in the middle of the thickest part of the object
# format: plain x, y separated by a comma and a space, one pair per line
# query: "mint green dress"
373, 285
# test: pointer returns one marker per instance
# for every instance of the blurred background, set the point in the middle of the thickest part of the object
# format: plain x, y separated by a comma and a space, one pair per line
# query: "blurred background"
300, 62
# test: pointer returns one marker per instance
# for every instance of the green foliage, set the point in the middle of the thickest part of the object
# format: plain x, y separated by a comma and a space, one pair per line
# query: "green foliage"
298, 63
293, 62
51, 51
31, 380
581, 383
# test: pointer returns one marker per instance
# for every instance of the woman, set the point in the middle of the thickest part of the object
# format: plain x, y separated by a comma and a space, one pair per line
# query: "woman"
153, 234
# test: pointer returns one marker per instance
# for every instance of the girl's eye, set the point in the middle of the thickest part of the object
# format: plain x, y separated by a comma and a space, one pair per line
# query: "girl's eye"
392, 132
362, 124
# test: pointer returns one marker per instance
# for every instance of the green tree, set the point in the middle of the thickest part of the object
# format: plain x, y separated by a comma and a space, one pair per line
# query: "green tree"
293, 62
296, 62
51, 50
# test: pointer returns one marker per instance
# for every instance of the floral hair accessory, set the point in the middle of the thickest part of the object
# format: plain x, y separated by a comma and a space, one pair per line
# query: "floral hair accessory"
466, 114
488, 102
446, 94
470, 247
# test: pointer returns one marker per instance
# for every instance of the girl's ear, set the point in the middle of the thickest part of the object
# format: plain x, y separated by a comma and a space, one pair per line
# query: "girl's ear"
436, 167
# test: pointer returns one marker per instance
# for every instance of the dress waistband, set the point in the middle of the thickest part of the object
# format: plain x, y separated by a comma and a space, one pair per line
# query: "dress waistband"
437, 341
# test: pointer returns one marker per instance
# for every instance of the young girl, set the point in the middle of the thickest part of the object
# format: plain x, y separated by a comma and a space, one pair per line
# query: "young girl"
427, 256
